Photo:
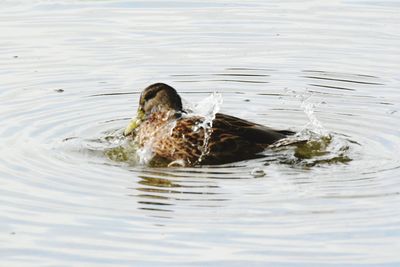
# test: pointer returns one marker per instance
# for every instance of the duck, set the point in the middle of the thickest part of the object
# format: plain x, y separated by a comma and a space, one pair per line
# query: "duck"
174, 136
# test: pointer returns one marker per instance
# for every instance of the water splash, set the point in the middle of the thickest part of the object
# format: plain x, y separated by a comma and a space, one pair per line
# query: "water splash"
206, 108
313, 144
257, 173
314, 125
117, 148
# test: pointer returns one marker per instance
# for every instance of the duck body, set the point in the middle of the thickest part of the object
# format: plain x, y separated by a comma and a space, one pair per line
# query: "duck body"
173, 136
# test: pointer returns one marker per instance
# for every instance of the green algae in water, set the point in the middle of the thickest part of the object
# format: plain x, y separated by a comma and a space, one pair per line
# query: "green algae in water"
123, 154
313, 148
310, 149
321, 151
335, 160
128, 154
118, 154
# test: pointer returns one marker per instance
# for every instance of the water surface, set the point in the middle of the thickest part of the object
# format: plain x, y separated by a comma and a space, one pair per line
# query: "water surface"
71, 74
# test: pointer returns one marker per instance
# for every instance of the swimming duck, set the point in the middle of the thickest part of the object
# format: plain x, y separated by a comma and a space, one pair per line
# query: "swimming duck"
174, 136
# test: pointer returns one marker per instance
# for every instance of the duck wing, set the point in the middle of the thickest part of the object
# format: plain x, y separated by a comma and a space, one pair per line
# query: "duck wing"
249, 131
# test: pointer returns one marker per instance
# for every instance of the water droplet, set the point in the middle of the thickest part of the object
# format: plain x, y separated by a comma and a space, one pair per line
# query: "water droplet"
257, 172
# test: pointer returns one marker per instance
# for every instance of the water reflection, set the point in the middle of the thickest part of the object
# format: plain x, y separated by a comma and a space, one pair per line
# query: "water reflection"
158, 191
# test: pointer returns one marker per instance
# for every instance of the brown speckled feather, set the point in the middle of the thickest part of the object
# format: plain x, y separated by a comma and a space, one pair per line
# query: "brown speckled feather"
231, 139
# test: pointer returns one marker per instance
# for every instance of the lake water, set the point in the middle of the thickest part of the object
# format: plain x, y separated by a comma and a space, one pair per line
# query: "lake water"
70, 77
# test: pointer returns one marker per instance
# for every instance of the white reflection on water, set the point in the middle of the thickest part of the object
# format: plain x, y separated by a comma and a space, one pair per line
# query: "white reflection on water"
71, 76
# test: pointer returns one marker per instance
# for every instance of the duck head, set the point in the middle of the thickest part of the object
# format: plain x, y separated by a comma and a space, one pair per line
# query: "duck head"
158, 97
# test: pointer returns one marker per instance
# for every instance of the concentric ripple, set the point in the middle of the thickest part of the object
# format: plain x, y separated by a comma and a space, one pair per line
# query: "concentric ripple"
71, 78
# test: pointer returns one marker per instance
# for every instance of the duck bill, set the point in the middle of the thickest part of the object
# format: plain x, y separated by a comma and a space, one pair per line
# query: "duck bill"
134, 123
